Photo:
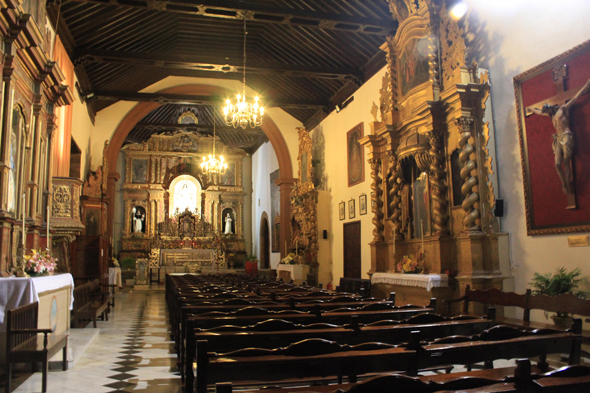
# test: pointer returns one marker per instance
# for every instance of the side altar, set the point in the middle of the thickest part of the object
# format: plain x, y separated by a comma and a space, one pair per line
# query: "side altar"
174, 215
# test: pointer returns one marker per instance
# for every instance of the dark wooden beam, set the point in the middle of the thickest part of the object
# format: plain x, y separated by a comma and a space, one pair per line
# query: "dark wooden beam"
236, 9
190, 99
202, 128
85, 56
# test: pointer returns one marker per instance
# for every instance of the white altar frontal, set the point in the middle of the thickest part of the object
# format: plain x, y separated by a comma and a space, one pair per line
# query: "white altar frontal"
411, 288
55, 297
297, 273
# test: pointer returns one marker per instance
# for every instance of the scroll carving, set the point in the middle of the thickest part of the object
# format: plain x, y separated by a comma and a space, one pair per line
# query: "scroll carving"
452, 45
62, 202
377, 197
472, 214
438, 175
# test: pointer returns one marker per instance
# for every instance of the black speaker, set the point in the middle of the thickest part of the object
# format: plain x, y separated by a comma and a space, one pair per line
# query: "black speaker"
499, 209
325, 234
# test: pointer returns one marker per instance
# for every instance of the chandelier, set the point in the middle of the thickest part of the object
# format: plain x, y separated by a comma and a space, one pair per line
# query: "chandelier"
212, 165
243, 113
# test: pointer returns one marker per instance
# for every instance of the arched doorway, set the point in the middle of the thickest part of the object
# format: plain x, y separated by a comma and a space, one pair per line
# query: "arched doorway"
264, 242
142, 109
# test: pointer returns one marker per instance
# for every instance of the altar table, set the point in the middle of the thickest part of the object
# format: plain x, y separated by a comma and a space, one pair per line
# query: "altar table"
115, 277
297, 273
55, 297
426, 281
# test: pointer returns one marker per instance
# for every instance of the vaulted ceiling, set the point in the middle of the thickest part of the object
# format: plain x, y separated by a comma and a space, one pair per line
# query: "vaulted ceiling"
304, 56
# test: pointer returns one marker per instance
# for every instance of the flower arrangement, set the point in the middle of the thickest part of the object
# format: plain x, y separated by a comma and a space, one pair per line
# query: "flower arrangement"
408, 265
40, 262
289, 259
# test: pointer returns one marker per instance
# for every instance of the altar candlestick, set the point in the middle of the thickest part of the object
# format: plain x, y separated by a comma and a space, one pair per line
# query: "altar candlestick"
48, 245
24, 214
286, 248
393, 249
296, 246
422, 230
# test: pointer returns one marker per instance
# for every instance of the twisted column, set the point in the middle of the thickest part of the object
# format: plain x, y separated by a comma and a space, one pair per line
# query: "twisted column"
377, 197
468, 189
394, 191
438, 193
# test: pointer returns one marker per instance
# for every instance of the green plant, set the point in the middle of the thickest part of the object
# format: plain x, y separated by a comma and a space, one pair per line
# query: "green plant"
128, 263
559, 282
252, 258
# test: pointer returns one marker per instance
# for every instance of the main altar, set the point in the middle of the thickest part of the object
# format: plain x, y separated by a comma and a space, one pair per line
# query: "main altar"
176, 217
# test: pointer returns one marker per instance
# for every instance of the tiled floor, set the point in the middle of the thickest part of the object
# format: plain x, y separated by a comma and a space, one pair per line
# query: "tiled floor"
133, 353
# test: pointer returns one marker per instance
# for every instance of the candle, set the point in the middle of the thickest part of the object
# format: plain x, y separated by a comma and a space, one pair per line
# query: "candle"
24, 230
422, 230
48, 213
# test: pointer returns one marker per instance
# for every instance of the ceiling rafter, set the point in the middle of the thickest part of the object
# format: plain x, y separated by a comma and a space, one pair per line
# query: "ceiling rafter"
235, 9
85, 56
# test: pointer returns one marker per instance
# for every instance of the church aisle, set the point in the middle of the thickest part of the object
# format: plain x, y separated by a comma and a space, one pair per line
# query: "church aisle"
132, 353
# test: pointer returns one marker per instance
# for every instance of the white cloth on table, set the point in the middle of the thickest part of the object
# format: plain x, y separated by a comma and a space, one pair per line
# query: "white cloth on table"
427, 281
298, 272
19, 291
115, 277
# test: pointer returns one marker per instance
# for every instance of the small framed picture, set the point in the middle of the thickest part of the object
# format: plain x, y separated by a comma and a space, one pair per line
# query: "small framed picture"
363, 204
351, 212
342, 209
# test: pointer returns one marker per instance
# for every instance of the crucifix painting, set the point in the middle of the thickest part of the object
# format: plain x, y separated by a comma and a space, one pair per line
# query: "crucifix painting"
553, 106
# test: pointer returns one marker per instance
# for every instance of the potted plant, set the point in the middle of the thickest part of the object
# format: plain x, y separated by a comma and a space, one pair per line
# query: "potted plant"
553, 284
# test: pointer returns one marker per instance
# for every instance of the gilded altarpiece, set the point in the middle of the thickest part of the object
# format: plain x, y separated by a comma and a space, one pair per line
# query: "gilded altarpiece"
431, 109
158, 172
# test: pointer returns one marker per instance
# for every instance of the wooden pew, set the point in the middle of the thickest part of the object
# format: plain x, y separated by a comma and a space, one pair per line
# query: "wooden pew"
320, 358
520, 379
24, 345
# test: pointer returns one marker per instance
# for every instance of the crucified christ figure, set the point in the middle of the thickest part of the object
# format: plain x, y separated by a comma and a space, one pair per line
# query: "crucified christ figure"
563, 140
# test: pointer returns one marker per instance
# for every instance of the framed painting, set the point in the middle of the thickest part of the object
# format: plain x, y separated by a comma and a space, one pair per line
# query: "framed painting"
553, 112
355, 156
229, 177
363, 204
342, 210
351, 209
275, 210
139, 170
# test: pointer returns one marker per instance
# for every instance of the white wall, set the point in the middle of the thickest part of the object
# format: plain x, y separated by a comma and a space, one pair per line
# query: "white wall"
82, 131
264, 162
334, 129
509, 37
247, 184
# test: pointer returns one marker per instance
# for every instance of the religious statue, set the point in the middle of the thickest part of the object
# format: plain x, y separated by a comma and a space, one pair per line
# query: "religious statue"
228, 221
563, 140
138, 219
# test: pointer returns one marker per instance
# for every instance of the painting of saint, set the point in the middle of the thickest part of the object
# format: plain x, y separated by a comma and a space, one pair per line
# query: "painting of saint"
414, 65
275, 209
139, 171
303, 174
92, 222
229, 178
356, 156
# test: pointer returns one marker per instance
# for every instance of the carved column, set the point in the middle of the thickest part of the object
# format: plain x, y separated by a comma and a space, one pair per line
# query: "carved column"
35, 176
376, 199
440, 216
468, 165
285, 187
7, 71
395, 183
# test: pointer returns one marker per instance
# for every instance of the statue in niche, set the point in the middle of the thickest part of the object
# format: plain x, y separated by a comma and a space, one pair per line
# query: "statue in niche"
228, 222
138, 219
563, 140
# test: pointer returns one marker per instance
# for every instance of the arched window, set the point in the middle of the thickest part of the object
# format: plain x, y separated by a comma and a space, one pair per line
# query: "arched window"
185, 192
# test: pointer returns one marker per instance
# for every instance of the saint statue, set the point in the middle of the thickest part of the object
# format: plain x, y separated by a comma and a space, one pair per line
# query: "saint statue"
228, 221
563, 139
138, 219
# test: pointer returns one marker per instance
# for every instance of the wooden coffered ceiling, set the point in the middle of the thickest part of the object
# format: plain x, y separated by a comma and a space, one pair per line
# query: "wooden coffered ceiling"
304, 56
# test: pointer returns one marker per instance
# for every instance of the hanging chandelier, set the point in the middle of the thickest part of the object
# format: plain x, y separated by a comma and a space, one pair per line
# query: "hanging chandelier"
242, 113
212, 165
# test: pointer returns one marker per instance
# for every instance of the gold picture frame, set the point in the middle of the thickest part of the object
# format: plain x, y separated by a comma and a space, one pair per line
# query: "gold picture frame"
351, 209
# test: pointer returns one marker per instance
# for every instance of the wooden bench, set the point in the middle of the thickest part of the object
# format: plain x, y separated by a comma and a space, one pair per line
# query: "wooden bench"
320, 358
524, 377
25, 345
88, 307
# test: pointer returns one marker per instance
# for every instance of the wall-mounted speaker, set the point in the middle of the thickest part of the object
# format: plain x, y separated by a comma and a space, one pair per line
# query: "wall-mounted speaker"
324, 234
499, 209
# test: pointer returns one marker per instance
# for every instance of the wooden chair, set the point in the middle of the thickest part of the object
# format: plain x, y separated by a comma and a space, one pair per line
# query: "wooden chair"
24, 345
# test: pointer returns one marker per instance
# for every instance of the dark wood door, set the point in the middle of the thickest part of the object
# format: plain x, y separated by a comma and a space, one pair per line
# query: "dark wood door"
264, 244
352, 250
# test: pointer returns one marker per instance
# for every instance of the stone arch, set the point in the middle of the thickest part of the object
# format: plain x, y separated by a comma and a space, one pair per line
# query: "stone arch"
140, 110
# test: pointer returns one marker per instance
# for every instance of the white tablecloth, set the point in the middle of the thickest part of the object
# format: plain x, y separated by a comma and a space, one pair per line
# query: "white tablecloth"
19, 291
115, 277
427, 281
298, 272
